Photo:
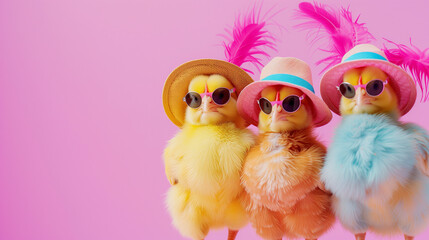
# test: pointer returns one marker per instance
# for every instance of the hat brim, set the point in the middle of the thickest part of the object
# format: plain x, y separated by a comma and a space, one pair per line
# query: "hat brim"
176, 85
400, 80
249, 109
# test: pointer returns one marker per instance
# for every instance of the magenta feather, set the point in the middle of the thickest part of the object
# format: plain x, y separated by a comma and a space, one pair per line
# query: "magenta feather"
245, 43
415, 61
338, 26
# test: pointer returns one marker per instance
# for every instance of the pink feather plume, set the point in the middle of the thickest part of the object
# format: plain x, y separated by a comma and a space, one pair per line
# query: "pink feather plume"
246, 41
338, 26
414, 60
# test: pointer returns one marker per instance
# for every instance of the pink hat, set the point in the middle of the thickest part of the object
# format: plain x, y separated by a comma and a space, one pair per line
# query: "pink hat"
285, 71
368, 55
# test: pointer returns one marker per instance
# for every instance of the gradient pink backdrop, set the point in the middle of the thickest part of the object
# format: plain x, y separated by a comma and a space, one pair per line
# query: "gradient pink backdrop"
82, 127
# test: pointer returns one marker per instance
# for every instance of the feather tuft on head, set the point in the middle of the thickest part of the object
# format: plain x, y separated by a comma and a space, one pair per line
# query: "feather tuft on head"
414, 60
245, 42
338, 26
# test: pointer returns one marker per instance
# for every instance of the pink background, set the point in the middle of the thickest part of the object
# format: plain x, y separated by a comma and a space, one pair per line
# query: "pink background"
82, 128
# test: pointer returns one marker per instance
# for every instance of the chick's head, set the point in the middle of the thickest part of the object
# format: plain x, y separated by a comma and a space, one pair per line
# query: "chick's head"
362, 102
278, 120
209, 112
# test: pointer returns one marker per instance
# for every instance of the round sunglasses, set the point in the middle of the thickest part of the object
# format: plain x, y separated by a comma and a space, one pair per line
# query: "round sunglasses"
290, 104
220, 96
373, 88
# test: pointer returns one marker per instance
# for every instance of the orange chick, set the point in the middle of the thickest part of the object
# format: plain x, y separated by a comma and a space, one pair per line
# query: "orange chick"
281, 172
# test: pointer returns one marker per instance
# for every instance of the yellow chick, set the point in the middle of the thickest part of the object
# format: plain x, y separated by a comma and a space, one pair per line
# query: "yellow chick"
210, 112
203, 162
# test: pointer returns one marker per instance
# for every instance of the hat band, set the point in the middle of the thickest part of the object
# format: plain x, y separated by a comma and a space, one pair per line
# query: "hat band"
365, 55
287, 78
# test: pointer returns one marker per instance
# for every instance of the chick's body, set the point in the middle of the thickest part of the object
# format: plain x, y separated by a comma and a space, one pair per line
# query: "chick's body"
281, 176
372, 169
207, 161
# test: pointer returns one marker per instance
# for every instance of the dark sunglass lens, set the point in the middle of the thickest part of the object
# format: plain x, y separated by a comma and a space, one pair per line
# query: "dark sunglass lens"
375, 87
221, 96
265, 106
347, 90
291, 103
193, 99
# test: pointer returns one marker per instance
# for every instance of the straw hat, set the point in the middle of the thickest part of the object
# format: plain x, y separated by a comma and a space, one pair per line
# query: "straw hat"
368, 55
176, 85
285, 71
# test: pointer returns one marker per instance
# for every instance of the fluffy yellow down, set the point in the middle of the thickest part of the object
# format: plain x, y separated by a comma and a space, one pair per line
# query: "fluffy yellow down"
205, 163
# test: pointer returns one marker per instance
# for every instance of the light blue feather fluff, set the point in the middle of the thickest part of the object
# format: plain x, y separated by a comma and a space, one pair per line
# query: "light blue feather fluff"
372, 156
421, 137
367, 150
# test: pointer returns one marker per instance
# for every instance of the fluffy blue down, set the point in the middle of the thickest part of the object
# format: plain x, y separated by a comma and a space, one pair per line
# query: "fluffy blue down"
420, 135
366, 151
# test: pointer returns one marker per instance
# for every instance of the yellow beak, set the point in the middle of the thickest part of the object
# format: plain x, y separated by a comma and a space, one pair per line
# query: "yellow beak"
206, 102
